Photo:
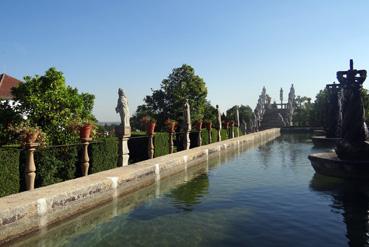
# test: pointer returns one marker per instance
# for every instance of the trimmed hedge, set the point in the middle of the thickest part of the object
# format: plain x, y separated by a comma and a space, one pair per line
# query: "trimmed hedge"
161, 144
103, 155
10, 174
57, 164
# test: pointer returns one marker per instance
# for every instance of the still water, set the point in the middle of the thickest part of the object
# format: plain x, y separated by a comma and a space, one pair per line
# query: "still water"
263, 196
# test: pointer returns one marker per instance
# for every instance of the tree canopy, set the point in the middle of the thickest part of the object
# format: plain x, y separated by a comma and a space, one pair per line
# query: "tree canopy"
48, 102
167, 102
245, 113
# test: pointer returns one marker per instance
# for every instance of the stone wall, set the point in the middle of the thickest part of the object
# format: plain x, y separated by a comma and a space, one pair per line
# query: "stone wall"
28, 211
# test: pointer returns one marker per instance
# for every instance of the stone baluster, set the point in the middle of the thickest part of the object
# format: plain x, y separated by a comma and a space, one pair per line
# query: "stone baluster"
30, 166
170, 142
150, 147
85, 160
123, 151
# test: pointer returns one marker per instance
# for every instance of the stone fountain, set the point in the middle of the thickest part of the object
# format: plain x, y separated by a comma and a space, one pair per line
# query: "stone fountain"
351, 156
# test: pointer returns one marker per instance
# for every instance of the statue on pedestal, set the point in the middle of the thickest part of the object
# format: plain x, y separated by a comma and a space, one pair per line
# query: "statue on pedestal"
123, 110
186, 125
124, 130
354, 130
218, 124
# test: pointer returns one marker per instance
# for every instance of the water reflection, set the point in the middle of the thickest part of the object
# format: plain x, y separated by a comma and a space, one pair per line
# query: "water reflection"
185, 197
351, 199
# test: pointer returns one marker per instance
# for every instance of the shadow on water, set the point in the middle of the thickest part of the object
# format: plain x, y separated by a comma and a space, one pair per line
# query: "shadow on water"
351, 198
186, 196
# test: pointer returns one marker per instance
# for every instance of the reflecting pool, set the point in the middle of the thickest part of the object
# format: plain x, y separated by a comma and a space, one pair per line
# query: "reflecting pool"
263, 196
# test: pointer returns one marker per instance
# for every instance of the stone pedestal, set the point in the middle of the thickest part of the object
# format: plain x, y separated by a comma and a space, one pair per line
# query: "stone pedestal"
186, 140
123, 151
150, 147
85, 159
199, 139
322, 141
30, 166
170, 142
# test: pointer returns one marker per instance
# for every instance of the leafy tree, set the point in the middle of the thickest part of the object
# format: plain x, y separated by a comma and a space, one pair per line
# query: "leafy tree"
303, 112
168, 101
244, 111
50, 104
210, 112
7, 116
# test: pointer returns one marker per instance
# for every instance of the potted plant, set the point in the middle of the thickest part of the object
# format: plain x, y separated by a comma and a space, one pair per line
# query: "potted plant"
225, 124
28, 133
84, 127
150, 123
198, 124
208, 124
171, 125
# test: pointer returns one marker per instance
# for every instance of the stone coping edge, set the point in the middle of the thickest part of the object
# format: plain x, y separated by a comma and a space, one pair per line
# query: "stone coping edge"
29, 211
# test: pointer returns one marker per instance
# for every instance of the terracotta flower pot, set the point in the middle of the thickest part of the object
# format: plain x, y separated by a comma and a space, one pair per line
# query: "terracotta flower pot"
208, 125
32, 137
85, 131
199, 125
151, 128
171, 127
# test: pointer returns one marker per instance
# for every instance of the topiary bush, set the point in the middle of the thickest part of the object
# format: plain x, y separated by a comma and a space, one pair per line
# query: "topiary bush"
161, 144
9, 167
57, 164
103, 155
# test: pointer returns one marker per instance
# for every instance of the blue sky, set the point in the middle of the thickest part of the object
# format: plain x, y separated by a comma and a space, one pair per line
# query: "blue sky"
237, 46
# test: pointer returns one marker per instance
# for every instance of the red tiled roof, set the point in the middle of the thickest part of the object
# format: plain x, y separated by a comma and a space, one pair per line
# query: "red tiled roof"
6, 84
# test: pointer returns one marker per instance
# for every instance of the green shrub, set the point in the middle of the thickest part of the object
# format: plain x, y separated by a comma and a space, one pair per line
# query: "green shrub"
56, 164
161, 144
9, 167
224, 134
103, 155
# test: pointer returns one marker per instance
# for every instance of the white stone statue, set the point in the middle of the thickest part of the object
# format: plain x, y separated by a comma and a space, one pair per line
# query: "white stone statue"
123, 110
237, 117
187, 116
219, 119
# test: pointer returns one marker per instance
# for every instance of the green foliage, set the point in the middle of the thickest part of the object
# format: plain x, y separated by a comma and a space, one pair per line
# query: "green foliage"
161, 144
204, 136
54, 165
103, 155
245, 113
8, 116
50, 104
167, 102
224, 134
9, 167
303, 114
210, 113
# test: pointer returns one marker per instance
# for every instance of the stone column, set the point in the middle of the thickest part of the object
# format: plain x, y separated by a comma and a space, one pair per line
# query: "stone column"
186, 140
85, 159
150, 147
123, 151
170, 142
30, 166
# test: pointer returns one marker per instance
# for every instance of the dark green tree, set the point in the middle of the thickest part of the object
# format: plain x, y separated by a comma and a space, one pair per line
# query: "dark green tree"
51, 104
167, 102
8, 116
303, 112
244, 111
